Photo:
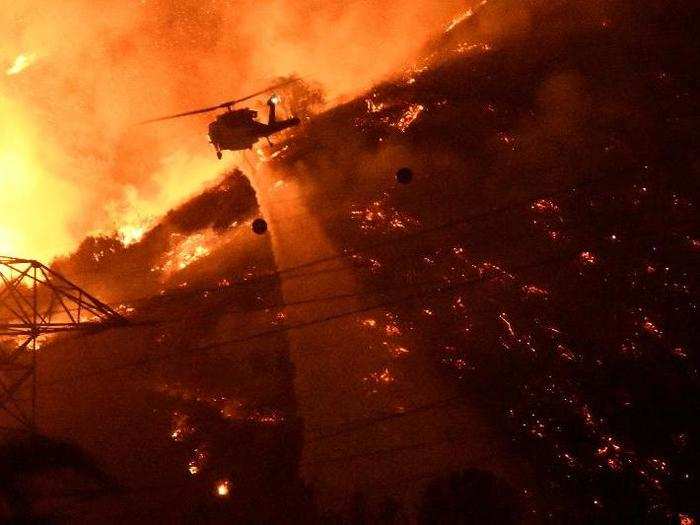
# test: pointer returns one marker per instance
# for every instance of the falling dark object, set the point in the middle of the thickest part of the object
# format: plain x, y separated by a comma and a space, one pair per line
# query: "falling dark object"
259, 226
404, 175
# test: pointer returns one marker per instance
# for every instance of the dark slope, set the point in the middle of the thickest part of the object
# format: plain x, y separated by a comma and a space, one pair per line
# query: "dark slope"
556, 173
542, 256
168, 419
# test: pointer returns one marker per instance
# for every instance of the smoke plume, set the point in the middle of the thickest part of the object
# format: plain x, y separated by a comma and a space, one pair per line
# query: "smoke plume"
76, 75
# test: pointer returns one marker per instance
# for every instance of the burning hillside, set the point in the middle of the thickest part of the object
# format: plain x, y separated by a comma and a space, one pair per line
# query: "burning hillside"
503, 331
75, 76
149, 255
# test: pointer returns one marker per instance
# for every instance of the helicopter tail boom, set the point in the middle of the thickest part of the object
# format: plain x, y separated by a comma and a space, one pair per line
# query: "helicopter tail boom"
281, 125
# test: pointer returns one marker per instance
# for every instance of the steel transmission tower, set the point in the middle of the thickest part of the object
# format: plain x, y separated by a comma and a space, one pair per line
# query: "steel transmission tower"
36, 301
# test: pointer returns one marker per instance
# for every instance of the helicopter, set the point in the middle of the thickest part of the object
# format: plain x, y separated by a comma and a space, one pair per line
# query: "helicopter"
239, 129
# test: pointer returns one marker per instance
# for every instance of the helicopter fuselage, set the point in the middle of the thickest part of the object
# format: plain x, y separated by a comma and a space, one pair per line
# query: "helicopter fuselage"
239, 130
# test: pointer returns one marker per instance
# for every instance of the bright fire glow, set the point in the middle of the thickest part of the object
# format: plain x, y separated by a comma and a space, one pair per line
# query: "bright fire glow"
222, 489
466, 48
31, 225
187, 250
409, 117
22, 62
130, 234
459, 19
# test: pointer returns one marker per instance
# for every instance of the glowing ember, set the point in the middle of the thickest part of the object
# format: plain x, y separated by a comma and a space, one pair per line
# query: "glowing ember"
381, 377
21, 63
545, 205
459, 19
392, 329
565, 353
409, 117
588, 258
223, 489
386, 376
504, 318
199, 459
374, 107
181, 427
507, 139
399, 351
267, 417
380, 216
533, 290
680, 352
651, 327
488, 268
187, 251
467, 48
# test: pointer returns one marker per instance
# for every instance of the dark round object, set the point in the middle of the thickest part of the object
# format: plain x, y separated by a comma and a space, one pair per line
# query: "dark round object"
404, 175
259, 226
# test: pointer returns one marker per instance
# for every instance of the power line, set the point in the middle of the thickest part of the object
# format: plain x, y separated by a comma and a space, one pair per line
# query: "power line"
438, 285
517, 203
363, 423
284, 304
349, 427
441, 289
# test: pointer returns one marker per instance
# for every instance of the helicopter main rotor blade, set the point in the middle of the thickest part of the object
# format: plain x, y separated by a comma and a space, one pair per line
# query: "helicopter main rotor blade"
185, 114
223, 104
261, 92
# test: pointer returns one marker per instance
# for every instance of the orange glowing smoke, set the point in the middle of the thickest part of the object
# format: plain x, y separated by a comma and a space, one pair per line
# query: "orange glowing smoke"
42, 228
79, 74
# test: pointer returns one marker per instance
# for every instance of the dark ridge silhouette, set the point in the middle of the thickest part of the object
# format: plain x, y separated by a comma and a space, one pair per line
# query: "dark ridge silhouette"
27, 456
218, 207
470, 496
101, 263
